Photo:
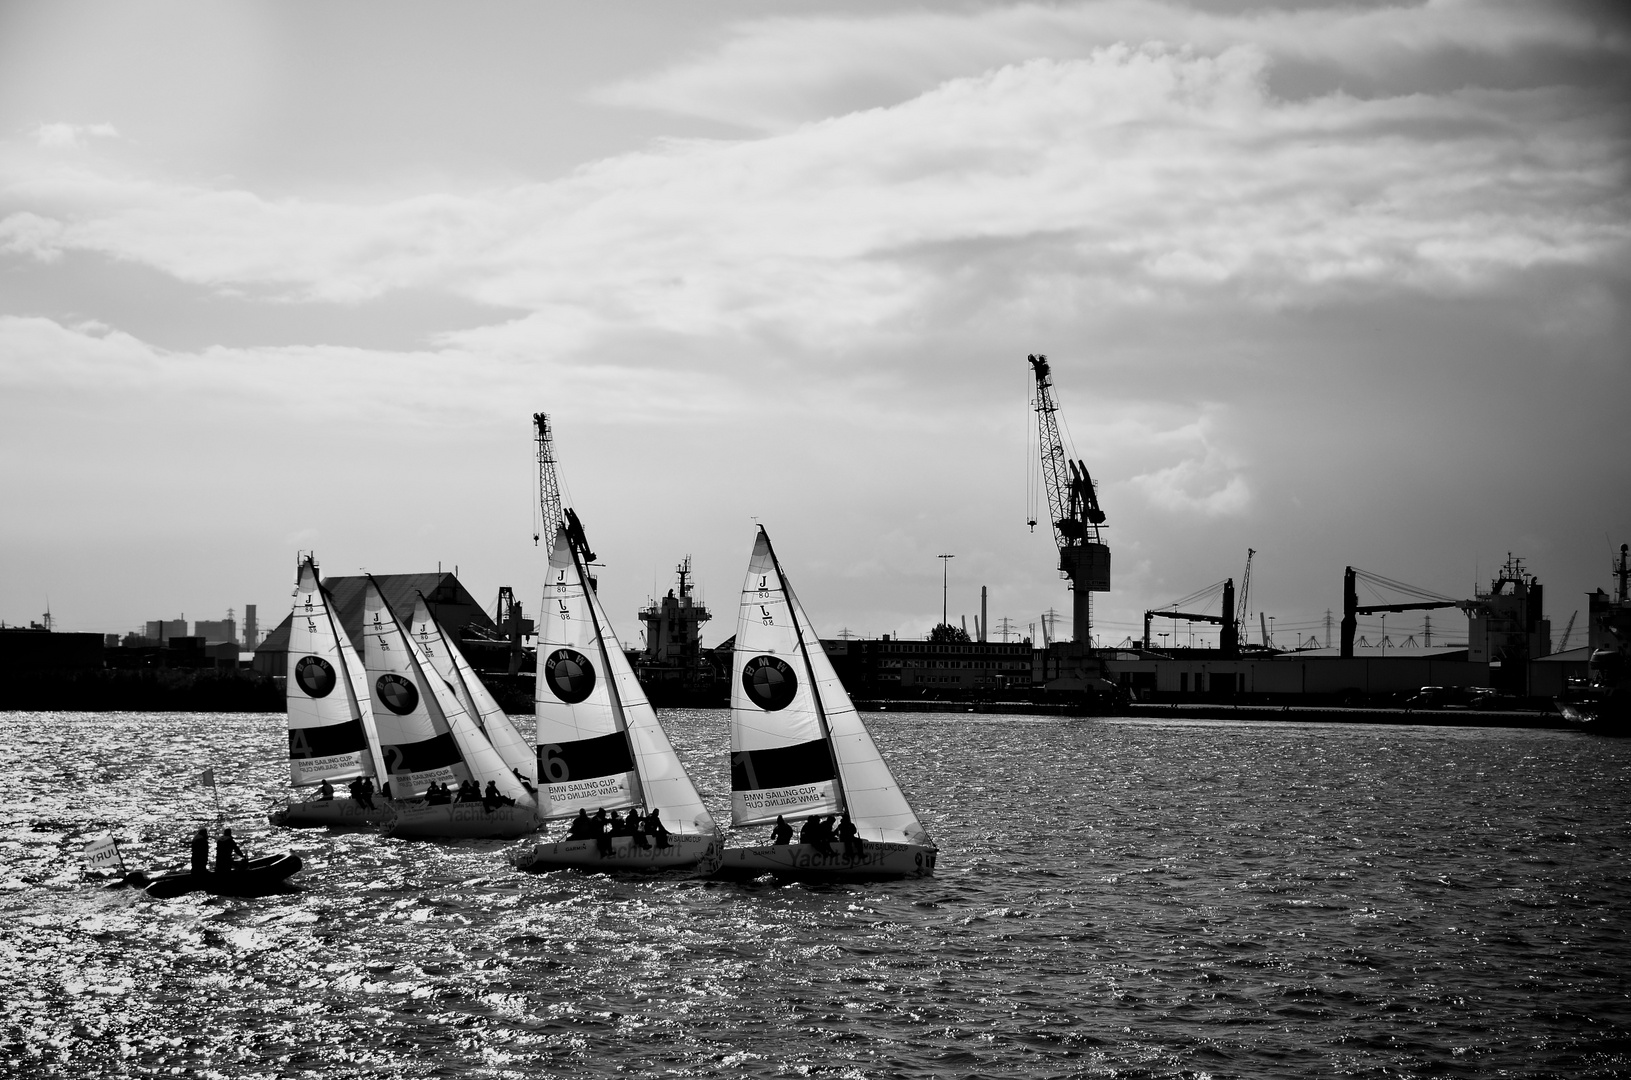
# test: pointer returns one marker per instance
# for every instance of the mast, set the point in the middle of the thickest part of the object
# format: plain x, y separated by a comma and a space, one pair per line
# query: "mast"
809, 673
369, 732
606, 665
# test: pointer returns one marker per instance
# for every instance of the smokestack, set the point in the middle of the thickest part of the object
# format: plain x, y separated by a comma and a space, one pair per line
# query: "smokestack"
985, 624
249, 626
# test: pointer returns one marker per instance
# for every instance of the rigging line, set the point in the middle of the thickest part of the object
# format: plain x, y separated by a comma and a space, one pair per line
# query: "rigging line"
1213, 590
809, 670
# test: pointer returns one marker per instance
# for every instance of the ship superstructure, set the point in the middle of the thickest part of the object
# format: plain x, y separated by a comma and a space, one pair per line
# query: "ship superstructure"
672, 668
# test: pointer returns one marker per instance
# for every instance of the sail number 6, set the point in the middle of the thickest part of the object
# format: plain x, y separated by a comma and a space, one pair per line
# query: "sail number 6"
551, 765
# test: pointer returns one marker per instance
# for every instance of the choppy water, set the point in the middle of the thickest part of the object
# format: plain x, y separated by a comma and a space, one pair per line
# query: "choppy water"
1114, 898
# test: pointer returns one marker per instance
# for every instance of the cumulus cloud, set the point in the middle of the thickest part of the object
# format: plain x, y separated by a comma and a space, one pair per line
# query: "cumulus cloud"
1139, 173
1174, 457
773, 74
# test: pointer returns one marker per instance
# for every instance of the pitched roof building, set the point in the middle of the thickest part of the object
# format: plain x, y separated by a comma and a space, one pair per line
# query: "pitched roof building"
452, 605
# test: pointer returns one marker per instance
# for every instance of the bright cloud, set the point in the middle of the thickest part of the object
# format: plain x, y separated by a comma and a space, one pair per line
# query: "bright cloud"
71, 136
773, 74
1138, 174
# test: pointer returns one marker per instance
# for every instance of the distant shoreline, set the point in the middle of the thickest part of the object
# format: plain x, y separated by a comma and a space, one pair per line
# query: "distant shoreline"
1294, 714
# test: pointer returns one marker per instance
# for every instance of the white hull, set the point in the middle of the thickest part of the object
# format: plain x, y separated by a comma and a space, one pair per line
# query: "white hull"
684, 850
336, 813
459, 821
878, 860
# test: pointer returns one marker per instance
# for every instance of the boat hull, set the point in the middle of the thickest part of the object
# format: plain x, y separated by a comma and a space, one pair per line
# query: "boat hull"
328, 814
879, 861
684, 851
258, 877
459, 821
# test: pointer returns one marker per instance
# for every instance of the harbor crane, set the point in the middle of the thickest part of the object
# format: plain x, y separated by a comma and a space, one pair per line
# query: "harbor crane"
551, 515
549, 487
1352, 609
1073, 505
1228, 625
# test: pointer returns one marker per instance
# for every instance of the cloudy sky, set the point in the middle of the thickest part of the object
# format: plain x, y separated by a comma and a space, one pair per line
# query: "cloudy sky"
1344, 283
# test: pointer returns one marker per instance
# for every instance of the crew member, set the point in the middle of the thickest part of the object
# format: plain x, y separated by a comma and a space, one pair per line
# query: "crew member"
201, 851
228, 855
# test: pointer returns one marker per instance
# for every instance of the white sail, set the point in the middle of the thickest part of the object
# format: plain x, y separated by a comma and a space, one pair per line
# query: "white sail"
448, 662
418, 746
798, 746
331, 723
483, 762
599, 742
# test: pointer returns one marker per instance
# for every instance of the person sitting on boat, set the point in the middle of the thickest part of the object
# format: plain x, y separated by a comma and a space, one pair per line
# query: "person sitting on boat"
356, 792
465, 794
823, 835
582, 828
201, 850
434, 795
603, 840
781, 832
635, 826
810, 830
325, 791
367, 791
656, 829
851, 836
228, 855
493, 798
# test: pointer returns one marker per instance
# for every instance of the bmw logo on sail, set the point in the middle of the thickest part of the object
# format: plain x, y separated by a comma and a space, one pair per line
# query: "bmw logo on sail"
569, 675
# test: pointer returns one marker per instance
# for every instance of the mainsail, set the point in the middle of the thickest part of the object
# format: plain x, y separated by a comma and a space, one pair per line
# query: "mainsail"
448, 662
798, 747
599, 743
331, 721
427, 736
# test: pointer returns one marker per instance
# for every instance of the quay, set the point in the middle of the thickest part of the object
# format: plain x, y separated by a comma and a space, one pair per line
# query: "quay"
1284, 714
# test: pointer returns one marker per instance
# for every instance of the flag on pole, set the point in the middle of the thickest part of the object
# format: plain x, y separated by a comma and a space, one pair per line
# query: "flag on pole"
102, 853
206, 778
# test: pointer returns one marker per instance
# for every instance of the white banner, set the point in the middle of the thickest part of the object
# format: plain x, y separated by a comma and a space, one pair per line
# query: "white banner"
762, 805
102, 852
601, 792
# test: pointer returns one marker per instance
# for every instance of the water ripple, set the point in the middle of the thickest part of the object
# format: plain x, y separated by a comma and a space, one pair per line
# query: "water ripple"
1115, 898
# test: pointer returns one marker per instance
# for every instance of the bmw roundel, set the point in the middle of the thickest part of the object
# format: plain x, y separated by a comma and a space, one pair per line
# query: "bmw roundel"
314, 675
770, 683
398, 694
569, 676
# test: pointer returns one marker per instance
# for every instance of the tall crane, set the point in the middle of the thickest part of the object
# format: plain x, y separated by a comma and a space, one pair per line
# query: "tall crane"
1073, 504
549, 488
1243, 626
1352, 609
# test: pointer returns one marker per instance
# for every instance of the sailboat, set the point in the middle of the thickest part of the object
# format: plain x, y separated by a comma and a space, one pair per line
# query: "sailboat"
799, 749
478, 701
331, 720
427, 737
600, 746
